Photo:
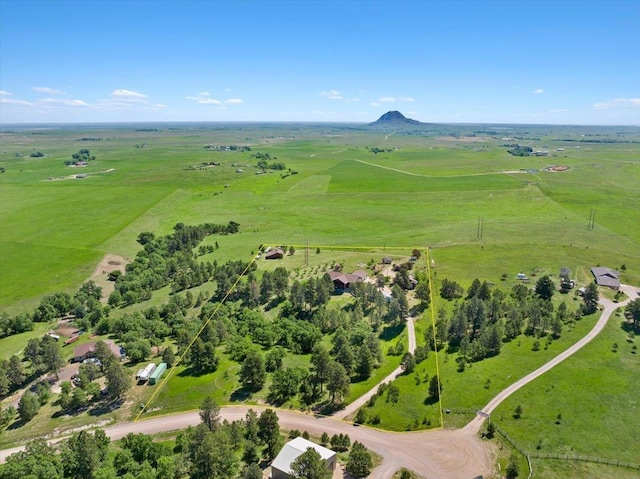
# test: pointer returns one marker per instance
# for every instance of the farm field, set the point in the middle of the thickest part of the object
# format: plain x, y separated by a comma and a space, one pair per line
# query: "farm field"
54, 232
452, 188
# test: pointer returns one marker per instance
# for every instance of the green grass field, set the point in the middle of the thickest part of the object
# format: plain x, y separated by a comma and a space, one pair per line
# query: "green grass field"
430, 189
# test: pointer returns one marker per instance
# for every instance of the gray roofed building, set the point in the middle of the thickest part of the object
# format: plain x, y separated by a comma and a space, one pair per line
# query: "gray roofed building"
606, 277
281, 465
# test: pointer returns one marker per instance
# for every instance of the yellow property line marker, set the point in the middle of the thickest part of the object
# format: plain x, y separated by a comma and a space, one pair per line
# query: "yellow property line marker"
157, 390
204, 325
435, 339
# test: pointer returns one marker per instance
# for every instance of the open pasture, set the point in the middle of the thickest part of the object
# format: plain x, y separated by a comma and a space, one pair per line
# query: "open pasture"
54, 232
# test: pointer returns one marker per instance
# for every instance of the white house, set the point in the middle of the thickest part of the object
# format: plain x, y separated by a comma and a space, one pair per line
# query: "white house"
281, 465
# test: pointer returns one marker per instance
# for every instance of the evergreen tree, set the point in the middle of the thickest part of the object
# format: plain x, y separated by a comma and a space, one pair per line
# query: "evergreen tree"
359, 462
210, 413
269, 432
309, 465
337, 380
590, 298
28, 406
253, 373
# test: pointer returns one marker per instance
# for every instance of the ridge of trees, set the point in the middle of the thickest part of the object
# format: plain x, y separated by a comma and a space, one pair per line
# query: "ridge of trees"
167, 260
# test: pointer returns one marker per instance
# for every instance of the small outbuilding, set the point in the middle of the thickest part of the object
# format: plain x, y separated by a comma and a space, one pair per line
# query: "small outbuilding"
281, 465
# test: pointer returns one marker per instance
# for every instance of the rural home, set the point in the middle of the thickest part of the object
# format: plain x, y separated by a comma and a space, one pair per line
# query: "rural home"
342, 281
84, 351
281, 466
606, 277
276, 253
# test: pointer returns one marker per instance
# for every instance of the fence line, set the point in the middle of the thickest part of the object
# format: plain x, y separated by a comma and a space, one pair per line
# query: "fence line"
565, 457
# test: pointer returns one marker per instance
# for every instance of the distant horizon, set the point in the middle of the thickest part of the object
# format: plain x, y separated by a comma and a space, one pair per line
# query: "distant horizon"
348, 61
307, 122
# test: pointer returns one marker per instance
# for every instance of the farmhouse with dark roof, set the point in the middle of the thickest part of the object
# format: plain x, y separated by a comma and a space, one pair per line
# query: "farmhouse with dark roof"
606, 277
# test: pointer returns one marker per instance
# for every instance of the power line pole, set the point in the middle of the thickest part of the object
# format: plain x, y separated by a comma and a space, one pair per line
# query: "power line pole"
592, 220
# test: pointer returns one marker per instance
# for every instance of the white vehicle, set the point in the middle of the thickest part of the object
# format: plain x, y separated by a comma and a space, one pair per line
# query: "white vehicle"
144, 374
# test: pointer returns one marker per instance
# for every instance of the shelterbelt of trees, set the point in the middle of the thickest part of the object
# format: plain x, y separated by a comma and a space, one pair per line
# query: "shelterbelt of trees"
165, 260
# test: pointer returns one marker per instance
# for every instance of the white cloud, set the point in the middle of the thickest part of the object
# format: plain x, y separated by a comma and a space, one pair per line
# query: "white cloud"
375, 104
332, 95
4, 93
208, 101
11, 101
127, 94
618, 103
65, 102
406, 98
387, 99
355, 99
160, 105
558, 110
202, 98
47, 90
538, 91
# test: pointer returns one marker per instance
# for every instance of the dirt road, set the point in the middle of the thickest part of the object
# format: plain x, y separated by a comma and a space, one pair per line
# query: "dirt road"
355, 405
434, 454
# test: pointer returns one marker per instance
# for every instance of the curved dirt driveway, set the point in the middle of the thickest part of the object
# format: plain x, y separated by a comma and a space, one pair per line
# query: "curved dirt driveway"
355, 405
608, 308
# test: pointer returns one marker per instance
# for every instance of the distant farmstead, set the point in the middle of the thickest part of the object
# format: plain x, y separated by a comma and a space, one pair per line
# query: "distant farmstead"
281, 466
606, 277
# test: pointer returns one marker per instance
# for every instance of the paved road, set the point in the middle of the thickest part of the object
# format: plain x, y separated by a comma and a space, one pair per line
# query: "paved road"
355, 405
608, 308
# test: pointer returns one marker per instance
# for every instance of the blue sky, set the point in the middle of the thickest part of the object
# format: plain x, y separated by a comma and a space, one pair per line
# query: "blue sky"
556, 62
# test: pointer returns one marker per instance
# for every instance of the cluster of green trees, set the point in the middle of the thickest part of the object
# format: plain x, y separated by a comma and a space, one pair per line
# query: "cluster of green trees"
167, 260
264, 159
517, 150
375, 150
485, 318
81, 155
85, 303
632, 313
40, 355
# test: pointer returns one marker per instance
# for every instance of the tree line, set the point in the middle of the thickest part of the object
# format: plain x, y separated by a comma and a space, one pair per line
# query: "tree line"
167, 260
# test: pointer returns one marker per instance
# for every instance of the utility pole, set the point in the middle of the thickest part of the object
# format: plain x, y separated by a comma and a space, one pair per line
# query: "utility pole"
306, 252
